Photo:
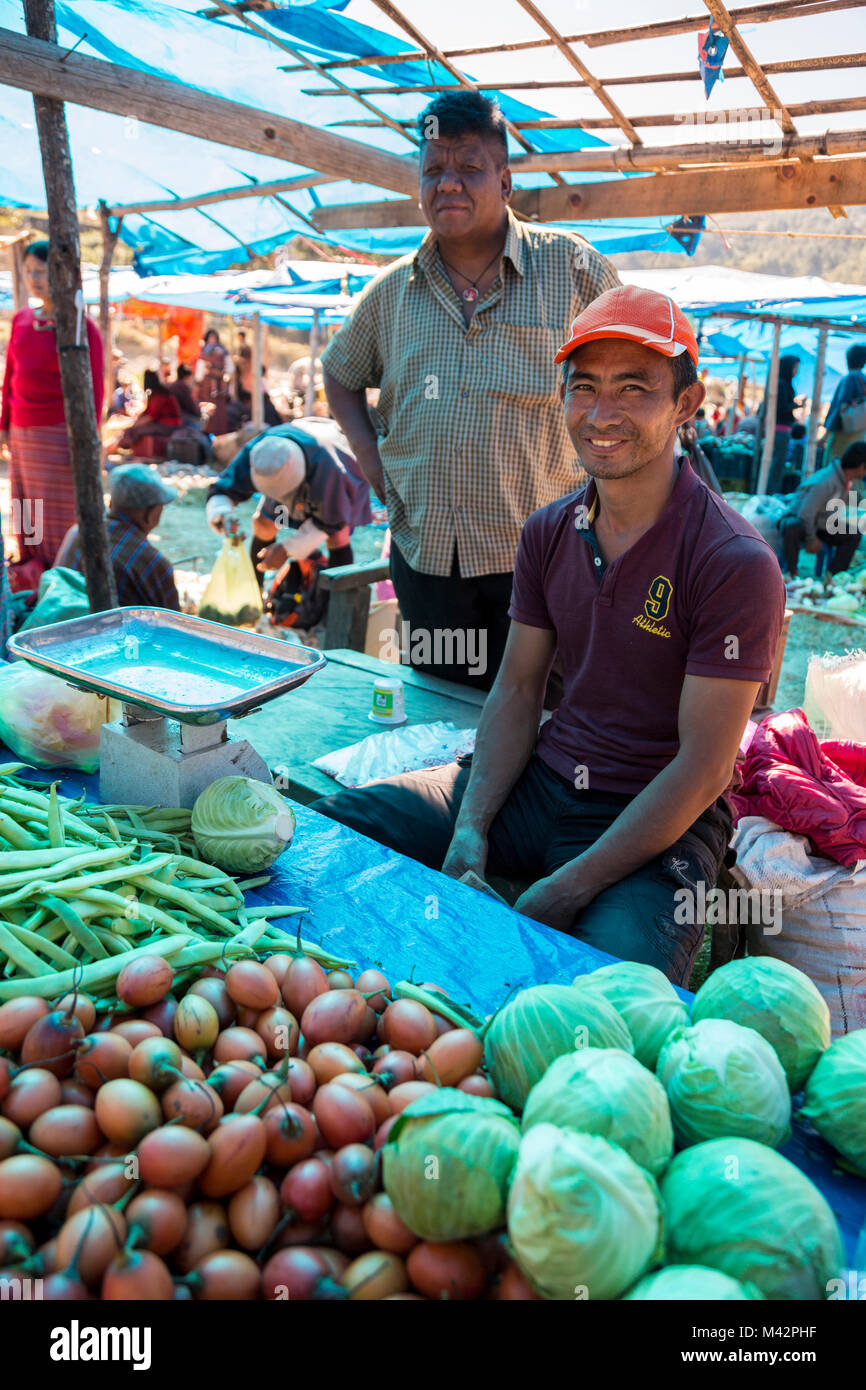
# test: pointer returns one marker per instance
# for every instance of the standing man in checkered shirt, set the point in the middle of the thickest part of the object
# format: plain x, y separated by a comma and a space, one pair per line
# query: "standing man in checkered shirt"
460, 339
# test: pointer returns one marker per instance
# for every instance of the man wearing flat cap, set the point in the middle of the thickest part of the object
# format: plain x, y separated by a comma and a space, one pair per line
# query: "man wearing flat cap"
665, 607
143, 574
308, 481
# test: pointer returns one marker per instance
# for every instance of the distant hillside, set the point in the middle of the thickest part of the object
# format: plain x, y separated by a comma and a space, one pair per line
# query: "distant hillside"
776, 255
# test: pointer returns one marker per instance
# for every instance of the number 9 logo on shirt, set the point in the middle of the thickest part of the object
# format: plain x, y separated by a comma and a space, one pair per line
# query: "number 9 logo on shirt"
659, 601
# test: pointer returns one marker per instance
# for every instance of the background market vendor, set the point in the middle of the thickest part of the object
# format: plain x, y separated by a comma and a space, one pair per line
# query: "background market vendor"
646, 583
309, 481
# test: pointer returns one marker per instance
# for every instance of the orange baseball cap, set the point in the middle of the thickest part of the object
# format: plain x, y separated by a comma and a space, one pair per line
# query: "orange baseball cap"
644, 316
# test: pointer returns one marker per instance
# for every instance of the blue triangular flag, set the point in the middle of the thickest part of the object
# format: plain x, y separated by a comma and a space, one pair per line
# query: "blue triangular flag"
712, 48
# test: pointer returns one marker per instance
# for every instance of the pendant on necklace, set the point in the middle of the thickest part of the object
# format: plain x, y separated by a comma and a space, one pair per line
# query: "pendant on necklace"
470, 295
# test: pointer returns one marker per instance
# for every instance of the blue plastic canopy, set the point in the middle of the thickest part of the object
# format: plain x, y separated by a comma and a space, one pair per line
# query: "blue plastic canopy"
122, 161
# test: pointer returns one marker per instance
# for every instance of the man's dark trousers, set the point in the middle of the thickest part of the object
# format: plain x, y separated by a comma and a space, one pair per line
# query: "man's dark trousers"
545, 823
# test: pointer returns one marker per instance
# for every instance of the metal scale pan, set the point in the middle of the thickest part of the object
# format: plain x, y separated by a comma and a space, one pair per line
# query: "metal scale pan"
179, 679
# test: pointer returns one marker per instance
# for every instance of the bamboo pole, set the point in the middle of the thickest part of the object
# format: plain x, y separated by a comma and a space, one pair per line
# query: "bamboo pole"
310, 395
390, 10
237, 13
748, 14
221, 195
64, 278
817, 384
258, 387
771, 399
610, 106
830, 63
109, 241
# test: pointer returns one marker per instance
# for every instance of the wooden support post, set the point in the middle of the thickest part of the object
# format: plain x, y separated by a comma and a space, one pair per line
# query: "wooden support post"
310, 396
258, 391
770, 402
817, 384
64, 279
110, 233
19, 288
732, 410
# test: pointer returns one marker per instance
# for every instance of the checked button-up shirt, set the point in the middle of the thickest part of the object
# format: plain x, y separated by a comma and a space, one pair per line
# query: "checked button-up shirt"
470, 424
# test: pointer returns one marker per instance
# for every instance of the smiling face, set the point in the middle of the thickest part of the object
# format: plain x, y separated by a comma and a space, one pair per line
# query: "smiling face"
620, 410
465, 185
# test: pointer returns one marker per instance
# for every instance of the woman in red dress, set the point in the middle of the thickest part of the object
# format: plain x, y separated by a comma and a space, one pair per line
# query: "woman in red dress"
32, 418
150, 432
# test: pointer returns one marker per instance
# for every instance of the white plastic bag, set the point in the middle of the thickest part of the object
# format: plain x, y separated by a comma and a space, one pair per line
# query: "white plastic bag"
822, 925
396, 750
48, 723
836, 689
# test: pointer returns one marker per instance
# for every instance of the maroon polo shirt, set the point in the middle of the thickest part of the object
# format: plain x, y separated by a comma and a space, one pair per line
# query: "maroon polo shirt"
700, 593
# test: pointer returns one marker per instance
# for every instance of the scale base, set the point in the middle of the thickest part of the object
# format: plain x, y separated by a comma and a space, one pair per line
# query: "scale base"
158, 762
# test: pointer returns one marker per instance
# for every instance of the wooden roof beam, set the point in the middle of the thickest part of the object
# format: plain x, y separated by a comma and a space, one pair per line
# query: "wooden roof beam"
610, 106
748, 14
46, 70
756, 188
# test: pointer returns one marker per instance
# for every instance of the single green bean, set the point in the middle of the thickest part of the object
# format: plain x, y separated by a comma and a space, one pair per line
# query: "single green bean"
42, 945
73, 886
17, 835
92, 978
82, 933
21, 955
114, 945
34, 857
56, 829
275, 910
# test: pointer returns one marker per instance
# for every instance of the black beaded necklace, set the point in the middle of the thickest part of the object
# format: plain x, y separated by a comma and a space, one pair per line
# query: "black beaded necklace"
470, 295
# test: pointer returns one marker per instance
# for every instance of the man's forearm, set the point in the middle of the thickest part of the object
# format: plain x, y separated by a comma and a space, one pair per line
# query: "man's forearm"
506, 737
656, 818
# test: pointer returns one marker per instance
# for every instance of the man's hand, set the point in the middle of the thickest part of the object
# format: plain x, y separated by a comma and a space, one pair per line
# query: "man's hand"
273, 558
555, 901
468, 850
812, 547
217, 511
370, 465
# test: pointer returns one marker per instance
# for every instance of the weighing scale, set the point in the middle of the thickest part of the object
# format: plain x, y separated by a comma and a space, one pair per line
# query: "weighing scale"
179, 679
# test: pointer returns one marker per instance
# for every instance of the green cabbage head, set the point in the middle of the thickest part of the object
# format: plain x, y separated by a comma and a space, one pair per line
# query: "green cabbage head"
241, 825
583, 1219
448, 1162
692, 1282
646, 999
778, 1001
836, 1099
541, 1024
722, 1078
742, 1208
602, 1090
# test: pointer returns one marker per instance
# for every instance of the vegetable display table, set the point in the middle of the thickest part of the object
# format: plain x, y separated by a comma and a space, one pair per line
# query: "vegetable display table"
382, 909
331, 712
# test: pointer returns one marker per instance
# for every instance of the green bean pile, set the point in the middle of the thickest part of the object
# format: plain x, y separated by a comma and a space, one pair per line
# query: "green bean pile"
84, 887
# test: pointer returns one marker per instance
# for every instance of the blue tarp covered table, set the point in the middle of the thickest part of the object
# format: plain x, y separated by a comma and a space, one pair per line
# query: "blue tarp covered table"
379, 908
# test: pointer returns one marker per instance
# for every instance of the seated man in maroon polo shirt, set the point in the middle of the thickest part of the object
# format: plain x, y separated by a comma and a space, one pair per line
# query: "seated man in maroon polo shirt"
665, 607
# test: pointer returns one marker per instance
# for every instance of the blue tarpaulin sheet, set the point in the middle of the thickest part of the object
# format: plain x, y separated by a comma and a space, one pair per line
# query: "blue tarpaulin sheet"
123, 161
384, 910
